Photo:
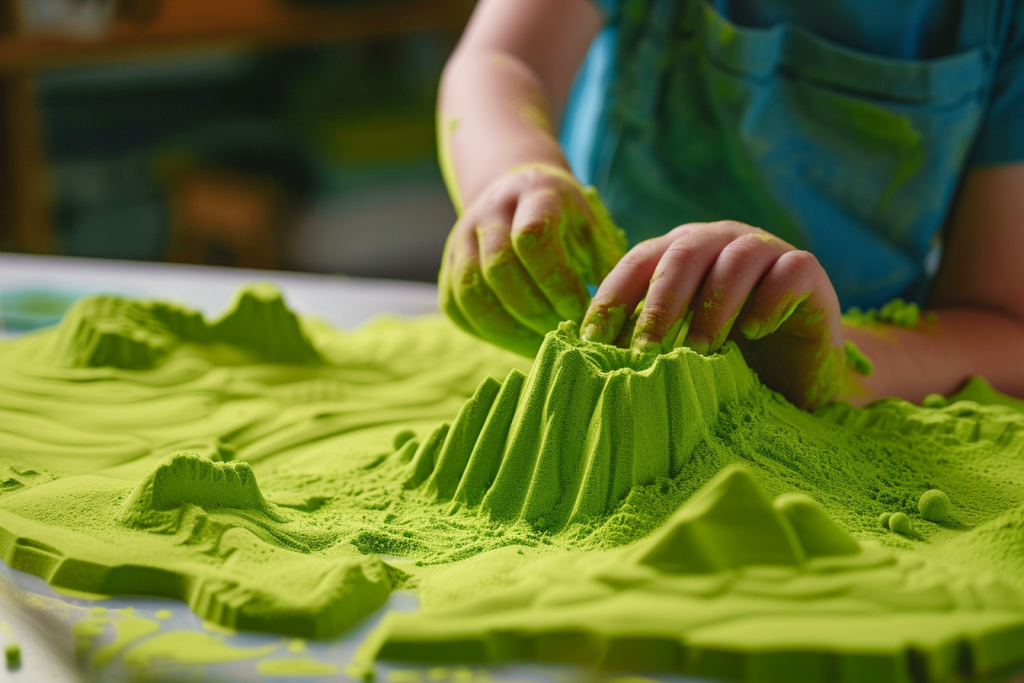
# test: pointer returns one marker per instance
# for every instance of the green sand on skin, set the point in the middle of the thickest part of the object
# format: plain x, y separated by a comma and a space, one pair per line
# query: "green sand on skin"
896, 312
282, 476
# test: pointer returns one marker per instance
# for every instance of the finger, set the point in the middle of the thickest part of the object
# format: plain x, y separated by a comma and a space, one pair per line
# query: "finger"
793, 328
686, 263
445, 294
795, 282
535, 238
622, 290
505, 274
480, 307
739, 267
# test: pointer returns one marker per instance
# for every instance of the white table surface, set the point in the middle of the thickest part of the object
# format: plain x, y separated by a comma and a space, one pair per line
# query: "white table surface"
342, 301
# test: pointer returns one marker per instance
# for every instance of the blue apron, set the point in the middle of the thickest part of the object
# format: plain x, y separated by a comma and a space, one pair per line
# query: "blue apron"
850, 156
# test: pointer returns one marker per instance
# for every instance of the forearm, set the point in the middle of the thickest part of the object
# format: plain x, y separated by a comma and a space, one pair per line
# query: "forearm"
493, 115
945, 348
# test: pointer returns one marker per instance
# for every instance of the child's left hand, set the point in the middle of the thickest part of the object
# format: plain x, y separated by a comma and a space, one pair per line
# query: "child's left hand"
704, 282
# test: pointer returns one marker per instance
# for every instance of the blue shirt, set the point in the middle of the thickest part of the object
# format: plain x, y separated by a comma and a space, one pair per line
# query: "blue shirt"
843, 126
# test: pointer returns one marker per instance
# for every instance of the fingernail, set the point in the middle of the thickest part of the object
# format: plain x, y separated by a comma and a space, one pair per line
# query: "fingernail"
700, 348
750, 329
597, 333
644, 345
602, 324
698, 342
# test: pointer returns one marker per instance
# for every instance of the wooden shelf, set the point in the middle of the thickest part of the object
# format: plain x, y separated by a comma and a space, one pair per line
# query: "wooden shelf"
240, 24
178, 26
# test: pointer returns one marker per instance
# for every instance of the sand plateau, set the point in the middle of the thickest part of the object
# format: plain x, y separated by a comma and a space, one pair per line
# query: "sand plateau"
733, 586
666, 512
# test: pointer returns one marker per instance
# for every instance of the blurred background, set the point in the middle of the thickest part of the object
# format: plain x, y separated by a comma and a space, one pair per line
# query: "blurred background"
283, 134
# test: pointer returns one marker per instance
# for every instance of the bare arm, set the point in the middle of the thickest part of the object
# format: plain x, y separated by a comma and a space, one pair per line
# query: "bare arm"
509, 76
977, 301
529, 236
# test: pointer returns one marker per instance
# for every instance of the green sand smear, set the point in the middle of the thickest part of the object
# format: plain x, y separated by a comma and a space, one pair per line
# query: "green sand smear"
12, 656
896, 312
661, 512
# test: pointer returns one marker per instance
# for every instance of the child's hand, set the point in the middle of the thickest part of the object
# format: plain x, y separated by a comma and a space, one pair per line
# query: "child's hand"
519, 258
702, 281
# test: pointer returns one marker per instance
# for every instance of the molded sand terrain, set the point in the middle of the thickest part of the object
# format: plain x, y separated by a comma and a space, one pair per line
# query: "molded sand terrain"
663, 512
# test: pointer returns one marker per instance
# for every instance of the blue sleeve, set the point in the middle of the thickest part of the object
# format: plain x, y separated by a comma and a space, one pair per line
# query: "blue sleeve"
1001, 139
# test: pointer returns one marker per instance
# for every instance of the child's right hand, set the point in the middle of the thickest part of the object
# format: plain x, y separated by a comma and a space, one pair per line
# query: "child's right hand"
519, 258
702, 284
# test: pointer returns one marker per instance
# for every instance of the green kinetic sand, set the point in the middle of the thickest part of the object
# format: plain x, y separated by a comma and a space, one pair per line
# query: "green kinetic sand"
12, 656
900, 523
732, 586
661, 512
897, 312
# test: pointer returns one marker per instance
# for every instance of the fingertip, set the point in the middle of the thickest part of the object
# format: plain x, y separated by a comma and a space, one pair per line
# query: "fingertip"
649, 326
782, 313
591, 333
698, 341
750, 329
603, 323
644, 345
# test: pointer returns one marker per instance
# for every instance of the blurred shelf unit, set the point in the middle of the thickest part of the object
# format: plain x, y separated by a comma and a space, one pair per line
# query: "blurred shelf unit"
36, 35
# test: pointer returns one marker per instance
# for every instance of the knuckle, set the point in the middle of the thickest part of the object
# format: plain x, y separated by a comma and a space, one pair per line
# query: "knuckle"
532, 231
804, 259
679, 253
801, 264
685, 228
745, 247
690, 232
657, 314
500, 195
731, 226
493, 238
636, 256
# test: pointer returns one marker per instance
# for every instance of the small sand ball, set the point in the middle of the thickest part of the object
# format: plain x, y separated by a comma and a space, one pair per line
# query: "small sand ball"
883, 519
900, 523
935, 506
